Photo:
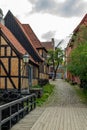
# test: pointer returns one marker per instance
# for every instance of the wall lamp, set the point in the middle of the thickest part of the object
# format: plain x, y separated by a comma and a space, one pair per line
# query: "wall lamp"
26, 58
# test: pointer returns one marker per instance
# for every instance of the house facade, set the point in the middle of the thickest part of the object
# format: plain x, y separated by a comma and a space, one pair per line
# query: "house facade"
14, 72
71, 46
21, 33
43, 66
15, 43
11, 61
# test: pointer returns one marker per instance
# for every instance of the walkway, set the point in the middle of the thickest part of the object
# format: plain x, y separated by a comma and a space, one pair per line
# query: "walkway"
64, 95
62, 111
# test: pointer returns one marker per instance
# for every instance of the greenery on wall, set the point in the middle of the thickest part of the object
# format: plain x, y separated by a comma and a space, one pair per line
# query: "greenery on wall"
80, 36
78, 59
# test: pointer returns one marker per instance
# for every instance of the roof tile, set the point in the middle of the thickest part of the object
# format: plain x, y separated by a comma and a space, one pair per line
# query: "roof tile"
83, 21
12, 39
22, 28
35, 41
48, 45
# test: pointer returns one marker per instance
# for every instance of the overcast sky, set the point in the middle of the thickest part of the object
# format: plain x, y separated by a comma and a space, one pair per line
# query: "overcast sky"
48, 18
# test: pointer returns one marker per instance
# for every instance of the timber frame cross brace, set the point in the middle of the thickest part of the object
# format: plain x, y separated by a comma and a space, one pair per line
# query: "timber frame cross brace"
8, 76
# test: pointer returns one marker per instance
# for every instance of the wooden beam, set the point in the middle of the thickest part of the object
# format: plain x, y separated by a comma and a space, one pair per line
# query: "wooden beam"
9, 65
8, 76
19, 73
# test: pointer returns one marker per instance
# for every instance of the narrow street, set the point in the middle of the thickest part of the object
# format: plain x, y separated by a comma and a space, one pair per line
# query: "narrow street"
64, 95
62, 111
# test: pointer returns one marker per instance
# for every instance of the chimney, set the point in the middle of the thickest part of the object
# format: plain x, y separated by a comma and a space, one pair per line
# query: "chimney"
53, 43
1, 17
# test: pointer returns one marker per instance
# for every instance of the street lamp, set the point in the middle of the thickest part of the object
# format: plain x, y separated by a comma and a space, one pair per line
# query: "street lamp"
26, 58
25, 63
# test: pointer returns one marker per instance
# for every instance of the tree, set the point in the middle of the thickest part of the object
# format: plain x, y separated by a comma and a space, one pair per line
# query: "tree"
78, 63
55, 58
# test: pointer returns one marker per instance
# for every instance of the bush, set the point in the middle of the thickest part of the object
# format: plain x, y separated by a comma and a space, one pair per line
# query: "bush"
36, 86
47, 90
81, 93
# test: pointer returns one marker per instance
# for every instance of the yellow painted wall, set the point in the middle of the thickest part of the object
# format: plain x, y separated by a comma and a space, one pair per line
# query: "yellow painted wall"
34, 82
14, 66
43, 76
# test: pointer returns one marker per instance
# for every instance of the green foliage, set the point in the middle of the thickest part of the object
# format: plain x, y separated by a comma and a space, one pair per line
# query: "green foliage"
78, 62
78, 58
81, 93
80, 36
36, 86
55, 58
47, 90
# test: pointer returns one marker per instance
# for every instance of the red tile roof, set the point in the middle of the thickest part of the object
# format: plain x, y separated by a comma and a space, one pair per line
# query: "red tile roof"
22, 28
48, 45
33, 61
12, 39
83, 21
35, 41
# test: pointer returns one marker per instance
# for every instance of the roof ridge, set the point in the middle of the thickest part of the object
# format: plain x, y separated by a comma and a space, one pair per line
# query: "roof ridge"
48, 45
12, 38
80, 23
20, 24
29, 27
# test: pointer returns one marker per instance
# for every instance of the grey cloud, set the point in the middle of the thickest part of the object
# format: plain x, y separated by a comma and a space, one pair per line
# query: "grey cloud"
72, 8
68, 8
49, 35
42, 5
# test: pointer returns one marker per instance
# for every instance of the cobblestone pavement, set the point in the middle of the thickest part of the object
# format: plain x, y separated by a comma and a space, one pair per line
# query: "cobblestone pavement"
64, 95
63, 111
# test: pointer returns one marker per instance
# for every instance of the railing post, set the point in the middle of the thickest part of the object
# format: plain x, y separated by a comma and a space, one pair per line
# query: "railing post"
31, 103
0, 118
27, 105
10, 116
23, 107
20, 109
34, 101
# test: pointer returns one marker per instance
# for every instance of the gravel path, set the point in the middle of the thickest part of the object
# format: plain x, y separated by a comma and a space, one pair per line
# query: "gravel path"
63, 95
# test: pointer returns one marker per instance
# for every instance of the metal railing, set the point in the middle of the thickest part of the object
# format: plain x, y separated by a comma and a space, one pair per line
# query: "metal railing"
12, 112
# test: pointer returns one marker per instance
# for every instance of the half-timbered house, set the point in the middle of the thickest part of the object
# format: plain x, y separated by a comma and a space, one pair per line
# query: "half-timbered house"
14, 72
43, 66
28, 40
11, 63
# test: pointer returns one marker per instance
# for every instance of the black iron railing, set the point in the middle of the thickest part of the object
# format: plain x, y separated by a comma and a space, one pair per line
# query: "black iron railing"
12, 112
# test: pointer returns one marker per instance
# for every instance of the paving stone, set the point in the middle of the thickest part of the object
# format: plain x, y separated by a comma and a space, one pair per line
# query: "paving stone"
63, 111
